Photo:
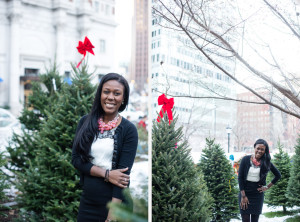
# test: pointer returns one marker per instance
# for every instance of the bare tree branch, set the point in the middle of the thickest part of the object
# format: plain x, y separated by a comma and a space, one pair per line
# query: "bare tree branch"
282, 18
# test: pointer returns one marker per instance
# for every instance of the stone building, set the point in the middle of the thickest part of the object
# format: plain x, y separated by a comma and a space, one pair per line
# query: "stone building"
35, 33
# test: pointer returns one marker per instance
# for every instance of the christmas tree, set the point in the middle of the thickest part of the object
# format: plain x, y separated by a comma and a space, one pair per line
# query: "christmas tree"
3, 178
221, 181
276, 195
178, 192
41, 102
293, 190
49, 186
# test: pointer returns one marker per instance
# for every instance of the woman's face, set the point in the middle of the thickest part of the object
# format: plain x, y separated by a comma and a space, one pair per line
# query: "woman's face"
259, 151
111, 97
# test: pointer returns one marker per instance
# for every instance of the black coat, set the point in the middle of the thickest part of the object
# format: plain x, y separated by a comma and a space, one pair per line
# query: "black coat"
244, 169
125, 146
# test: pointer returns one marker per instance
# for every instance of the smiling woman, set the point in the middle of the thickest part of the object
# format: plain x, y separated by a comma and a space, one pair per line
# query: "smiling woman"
104, 150
252, 180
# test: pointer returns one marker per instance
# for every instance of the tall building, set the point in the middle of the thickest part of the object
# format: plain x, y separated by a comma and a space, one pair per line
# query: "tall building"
35, 33
256, 121
179, 70
139, 58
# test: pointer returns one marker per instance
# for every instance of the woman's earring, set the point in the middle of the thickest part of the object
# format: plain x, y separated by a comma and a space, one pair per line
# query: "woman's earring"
122, 102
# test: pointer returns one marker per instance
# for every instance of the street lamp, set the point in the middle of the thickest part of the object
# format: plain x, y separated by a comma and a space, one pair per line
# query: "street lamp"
228, 130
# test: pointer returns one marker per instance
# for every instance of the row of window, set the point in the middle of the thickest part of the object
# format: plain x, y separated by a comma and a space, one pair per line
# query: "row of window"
154, 32
155, 44
103, 8
156, 21
256, 113
176, 78
189, 66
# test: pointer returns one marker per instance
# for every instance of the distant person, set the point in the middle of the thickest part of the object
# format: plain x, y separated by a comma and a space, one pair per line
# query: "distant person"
252, 176
142, 122
128, 118
104, 149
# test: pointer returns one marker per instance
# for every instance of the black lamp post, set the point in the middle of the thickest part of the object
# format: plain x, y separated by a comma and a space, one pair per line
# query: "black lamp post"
228, 130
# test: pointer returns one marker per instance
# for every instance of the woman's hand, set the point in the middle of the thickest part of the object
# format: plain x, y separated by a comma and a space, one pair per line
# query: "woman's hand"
118, 178
244, 202
262, 189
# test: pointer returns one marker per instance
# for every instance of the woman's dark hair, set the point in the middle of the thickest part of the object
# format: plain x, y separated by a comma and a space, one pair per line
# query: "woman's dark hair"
89, 129
265, 160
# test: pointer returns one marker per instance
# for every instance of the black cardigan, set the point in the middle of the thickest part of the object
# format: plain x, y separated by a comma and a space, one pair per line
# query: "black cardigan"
244, 169
125, 145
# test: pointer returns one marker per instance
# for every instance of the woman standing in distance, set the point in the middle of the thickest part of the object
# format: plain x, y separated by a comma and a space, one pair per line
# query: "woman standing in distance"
104, 149
252, 180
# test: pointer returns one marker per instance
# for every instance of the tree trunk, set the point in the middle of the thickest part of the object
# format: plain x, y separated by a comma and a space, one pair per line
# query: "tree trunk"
284, 209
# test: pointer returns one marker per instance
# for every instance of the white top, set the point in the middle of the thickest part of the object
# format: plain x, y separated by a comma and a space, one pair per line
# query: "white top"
102, 149
253, 173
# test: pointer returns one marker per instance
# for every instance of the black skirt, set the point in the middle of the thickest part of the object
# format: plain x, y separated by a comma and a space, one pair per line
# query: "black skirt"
94, 198
256, 199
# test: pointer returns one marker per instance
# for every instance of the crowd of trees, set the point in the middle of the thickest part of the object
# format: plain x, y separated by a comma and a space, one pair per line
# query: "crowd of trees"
182, 191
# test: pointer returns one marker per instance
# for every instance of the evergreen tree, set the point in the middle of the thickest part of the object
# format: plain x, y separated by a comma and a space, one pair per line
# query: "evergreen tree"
276, 195
3, 178
49, 186
293, 190
40, 103
221, 181
178, 192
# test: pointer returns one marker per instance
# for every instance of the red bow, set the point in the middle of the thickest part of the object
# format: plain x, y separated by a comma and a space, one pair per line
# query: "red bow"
83, 47
167, 107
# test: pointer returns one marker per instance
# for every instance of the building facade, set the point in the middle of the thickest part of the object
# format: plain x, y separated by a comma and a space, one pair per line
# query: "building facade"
255, 121
36, 33
140, 44
183, 73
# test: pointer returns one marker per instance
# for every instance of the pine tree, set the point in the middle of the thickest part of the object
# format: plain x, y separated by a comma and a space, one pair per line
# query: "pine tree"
221, 181
276, 195
50, 185
40, 103
178, 192
293, 190
3, 178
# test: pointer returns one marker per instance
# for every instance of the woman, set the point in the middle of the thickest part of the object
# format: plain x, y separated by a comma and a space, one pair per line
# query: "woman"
104, 149
252, 180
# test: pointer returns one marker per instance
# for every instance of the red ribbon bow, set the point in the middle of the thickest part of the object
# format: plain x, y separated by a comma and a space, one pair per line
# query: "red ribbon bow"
167, 107
83, 47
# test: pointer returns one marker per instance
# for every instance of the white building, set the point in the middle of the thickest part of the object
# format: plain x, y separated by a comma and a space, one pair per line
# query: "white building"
35, 33
182, 72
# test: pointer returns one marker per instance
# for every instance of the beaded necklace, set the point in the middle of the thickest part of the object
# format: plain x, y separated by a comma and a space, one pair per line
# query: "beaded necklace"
255, 162
107, 126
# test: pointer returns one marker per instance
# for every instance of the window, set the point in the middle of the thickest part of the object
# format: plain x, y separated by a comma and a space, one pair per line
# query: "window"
97, 6
106, 9
153, 58
31, 72
102, 46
